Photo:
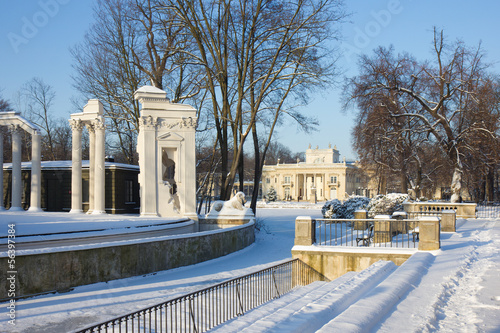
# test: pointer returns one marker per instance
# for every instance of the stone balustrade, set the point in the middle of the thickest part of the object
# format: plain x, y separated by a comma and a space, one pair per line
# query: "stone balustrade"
462, 210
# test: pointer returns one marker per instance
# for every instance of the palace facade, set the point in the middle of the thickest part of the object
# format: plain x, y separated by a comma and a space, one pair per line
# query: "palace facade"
322, 176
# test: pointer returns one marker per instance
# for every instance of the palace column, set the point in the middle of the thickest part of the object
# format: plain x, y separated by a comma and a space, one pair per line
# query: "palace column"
17, 182
99, 171
76, 166
1, 170
36, 173
91, 130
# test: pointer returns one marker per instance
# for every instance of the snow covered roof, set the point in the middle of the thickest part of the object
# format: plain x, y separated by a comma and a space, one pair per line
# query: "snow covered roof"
151, 89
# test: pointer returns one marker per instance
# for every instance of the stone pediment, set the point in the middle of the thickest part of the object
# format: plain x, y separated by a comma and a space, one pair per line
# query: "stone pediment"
170, 136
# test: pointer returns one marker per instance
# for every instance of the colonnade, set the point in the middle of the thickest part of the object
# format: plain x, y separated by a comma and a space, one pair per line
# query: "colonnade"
92, 118
15, 125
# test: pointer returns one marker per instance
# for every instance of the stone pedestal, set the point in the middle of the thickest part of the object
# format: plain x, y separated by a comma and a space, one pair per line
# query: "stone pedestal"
382, 232
360, 214
429, 230
304, 231
399, 226
312, 199
448, 221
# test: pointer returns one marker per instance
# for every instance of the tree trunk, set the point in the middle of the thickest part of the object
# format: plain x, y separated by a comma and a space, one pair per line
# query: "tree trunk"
489, 194
456, 185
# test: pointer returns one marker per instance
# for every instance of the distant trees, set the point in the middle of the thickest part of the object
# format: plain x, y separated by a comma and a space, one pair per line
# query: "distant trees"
4, 105
278, 152
405, 105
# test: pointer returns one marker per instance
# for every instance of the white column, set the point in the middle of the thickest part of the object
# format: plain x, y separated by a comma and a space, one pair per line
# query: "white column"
1, 170
146, 147
90, 127
17, 182
99, 176
36, 173
188, 208
76, 166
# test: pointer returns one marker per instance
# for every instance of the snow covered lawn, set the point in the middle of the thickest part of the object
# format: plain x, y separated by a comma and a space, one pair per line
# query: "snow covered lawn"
460, 291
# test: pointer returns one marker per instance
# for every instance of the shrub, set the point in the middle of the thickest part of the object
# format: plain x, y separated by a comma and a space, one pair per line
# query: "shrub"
331, 209
335, 209
386, 204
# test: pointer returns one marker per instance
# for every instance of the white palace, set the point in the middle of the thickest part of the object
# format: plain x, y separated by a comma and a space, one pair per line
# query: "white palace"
321, 177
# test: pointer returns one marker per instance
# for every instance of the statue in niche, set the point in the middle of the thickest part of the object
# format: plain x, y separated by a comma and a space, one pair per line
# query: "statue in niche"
168, 177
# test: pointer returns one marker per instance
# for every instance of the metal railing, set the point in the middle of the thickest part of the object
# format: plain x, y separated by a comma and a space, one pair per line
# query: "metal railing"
488, 210
204, 309
367, 232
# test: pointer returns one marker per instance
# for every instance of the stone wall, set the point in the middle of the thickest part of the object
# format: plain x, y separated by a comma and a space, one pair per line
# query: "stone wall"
334, 263
60, 271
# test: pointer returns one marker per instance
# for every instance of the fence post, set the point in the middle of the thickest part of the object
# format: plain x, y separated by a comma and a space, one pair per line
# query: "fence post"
400, 227
382, 229
360, 214
429, 233
448, 220
305, 228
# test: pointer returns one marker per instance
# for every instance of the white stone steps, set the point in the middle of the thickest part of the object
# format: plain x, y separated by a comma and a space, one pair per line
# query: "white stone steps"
369, 311
271, 307
316, 308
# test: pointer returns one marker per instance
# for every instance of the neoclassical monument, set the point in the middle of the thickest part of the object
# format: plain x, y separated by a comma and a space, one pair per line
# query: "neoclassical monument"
166, 147
16, 124
322, 176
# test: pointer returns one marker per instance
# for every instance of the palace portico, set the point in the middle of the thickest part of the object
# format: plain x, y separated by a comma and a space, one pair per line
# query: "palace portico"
322, 176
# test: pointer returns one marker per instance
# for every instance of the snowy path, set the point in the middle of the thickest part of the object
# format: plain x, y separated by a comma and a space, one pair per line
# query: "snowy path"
459, 293
461, 290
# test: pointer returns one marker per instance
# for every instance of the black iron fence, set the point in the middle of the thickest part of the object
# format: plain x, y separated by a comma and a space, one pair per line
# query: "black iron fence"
212, 306
488, 210
402, 233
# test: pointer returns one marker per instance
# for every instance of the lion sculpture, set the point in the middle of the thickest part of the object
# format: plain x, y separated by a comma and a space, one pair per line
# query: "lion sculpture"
235, 203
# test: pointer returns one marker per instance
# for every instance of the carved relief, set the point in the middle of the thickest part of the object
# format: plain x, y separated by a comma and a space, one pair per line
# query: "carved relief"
147, 122
170, 125
188, 122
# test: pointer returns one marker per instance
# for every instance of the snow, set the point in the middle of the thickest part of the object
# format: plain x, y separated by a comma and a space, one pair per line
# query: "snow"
455, 289
150, 89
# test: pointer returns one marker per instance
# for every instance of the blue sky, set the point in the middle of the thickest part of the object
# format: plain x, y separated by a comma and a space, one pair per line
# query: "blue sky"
35, 37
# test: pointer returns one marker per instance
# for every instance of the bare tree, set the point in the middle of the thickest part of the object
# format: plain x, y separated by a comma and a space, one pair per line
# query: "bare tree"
38, 99
442, 93
260, 59
131, 43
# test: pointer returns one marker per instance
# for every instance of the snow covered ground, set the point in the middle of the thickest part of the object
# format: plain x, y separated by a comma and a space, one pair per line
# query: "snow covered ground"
459, 292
